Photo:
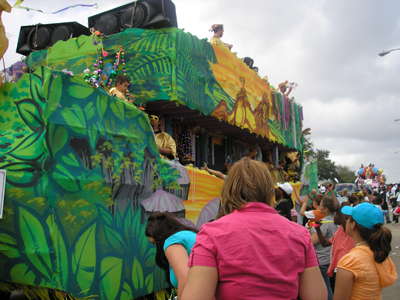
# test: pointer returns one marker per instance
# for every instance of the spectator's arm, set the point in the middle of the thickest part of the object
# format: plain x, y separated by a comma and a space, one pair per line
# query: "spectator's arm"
321, 238
344, 284
285, 175
298, 197
213, 172
312, 286
338, 209
365, 191
314, 238
287, 94
304, 207
164, 151
178, 259
170, 150
201, 283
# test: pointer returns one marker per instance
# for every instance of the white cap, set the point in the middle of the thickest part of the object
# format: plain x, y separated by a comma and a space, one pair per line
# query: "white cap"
286, 187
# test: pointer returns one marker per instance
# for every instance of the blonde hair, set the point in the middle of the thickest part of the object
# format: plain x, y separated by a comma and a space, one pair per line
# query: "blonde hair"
248, 181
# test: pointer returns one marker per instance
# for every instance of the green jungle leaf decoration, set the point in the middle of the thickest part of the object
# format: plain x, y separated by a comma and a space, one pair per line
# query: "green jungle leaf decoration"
137, 275
36, 87
89, 111
110, 273
93, 135
23, 174
129, 227
80, 91
30, 111
150, 258
101, 106
118, 109
56, 91
30, 149
56, 137
126, 293
84, 259
8, 245
105, 215
71, 160
65, 179
75, 119
110, 239
149, 282
35, 240
22, 273
62, 252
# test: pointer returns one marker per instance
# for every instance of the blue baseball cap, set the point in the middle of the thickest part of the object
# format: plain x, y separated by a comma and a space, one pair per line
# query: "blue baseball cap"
365, 214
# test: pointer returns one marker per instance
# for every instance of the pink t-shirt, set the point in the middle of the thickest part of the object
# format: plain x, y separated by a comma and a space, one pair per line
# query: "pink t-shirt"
259, 254
341, 245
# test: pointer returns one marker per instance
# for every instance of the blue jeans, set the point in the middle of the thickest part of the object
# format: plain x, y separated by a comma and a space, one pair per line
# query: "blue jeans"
324, 270
386, 214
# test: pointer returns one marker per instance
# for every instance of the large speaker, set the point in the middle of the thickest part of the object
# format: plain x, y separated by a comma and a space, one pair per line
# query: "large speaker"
139, 14
38, 37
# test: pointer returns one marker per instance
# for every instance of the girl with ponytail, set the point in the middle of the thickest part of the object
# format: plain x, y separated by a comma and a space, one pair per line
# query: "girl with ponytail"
367, 269
173, 241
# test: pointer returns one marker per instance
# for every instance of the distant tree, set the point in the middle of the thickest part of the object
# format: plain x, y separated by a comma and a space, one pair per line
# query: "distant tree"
326, 167
345, 174
308, 146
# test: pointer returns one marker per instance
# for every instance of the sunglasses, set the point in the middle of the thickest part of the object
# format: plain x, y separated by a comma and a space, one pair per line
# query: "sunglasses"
155, 118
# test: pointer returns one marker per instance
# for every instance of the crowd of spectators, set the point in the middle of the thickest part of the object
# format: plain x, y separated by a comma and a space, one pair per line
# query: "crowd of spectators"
258, 248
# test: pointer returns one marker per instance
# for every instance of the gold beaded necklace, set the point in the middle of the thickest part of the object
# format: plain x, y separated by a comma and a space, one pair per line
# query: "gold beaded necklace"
361, 243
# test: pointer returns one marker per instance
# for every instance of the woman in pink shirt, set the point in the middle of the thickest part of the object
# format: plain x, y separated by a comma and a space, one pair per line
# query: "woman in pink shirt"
252, 252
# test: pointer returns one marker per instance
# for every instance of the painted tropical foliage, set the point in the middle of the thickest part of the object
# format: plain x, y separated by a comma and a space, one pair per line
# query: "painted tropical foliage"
309, 177
78, 164
83, 169
169, 64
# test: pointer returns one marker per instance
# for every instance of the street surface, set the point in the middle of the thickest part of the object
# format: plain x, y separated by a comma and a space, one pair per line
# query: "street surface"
392, 292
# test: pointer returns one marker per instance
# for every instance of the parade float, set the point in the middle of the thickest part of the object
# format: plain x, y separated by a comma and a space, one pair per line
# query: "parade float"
370, 176
84, 171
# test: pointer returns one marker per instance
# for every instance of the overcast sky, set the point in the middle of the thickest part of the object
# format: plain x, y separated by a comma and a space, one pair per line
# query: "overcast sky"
350, 95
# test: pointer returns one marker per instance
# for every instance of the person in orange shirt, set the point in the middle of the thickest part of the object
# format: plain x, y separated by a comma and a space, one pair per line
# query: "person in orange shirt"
367, 269
314, 214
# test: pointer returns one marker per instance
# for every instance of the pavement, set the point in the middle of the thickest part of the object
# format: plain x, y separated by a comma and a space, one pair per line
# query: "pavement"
389, 293
392, 292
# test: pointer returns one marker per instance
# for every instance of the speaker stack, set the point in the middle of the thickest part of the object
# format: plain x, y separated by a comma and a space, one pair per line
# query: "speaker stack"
151, 14
41, 36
